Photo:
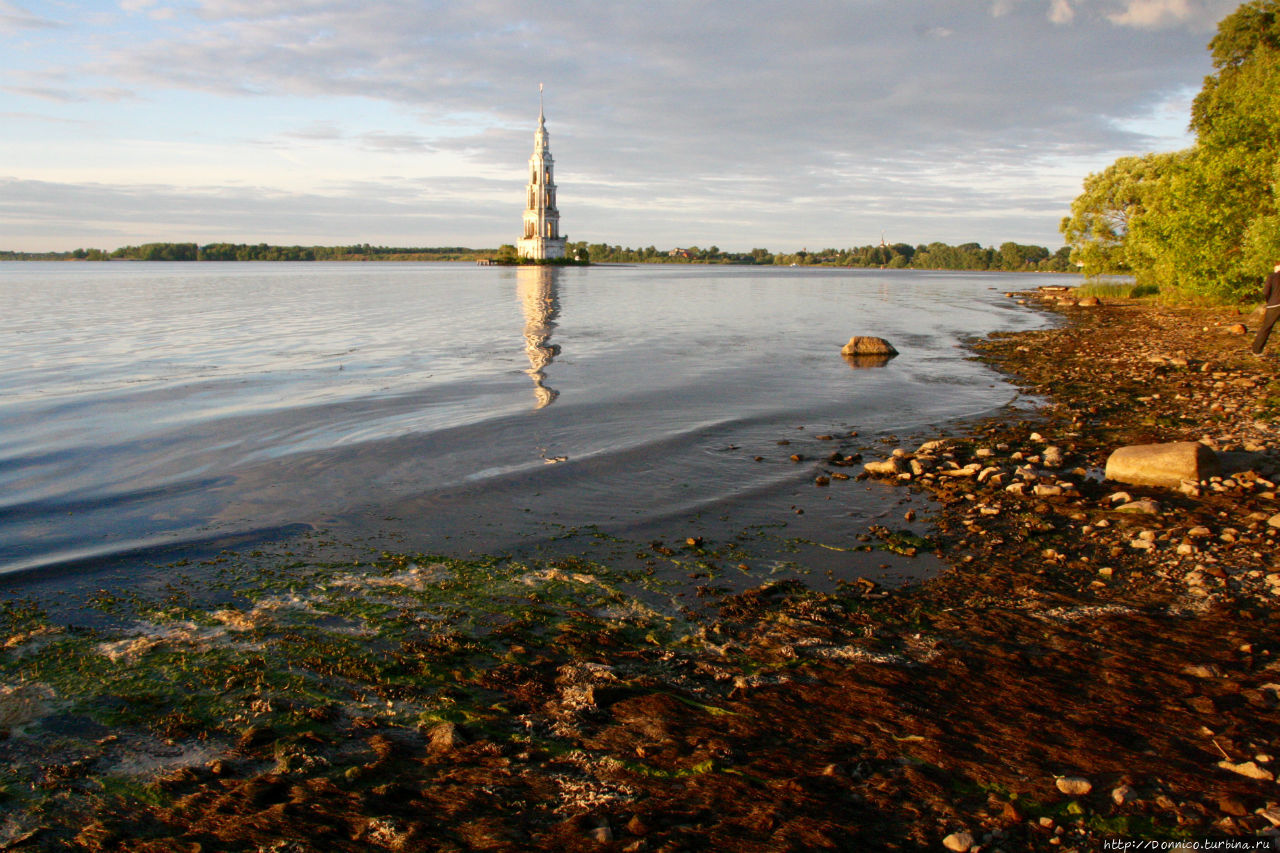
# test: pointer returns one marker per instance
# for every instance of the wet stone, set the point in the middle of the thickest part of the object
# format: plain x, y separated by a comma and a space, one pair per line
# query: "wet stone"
445, 737
1123, 794
1074, 786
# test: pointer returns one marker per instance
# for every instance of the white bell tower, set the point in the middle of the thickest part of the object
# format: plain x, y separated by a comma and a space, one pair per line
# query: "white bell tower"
541, 238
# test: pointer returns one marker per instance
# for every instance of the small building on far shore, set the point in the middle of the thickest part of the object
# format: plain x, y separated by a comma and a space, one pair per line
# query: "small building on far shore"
541, 239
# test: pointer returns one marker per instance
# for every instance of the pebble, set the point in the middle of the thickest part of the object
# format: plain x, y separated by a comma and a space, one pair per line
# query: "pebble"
1201, 671
1074, 786
960, 842
889, 466
1248, 768
1123, 794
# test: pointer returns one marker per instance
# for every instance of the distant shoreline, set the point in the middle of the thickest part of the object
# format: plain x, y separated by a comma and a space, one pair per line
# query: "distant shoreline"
972, 257
500, 264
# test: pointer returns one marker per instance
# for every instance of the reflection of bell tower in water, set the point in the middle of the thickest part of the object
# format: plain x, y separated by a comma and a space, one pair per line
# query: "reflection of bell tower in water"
536, 290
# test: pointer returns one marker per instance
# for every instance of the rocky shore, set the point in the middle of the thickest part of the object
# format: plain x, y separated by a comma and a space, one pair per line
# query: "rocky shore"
1100, 661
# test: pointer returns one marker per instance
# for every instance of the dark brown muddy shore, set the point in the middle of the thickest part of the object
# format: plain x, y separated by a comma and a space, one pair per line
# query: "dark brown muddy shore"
1079, 673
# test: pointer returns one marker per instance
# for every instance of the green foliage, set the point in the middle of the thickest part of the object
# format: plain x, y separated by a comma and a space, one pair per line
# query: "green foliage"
1203, 222
1100, 225
968, 256
260, 252
1252, 28
159, 252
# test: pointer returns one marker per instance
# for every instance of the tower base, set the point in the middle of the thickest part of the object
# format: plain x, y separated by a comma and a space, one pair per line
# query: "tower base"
541, 248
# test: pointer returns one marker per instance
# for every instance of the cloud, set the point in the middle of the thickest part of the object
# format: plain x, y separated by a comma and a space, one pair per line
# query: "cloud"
325, 132
67, 95
46, 119
1197, 15
804, 116
13, 18
1162, 14
111, 215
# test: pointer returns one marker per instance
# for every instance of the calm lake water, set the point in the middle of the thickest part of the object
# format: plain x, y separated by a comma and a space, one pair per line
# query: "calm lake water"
460, 408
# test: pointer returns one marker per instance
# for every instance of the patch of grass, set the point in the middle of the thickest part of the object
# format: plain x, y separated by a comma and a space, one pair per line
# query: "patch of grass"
19, 615
641, 769
131, 789
1105, 289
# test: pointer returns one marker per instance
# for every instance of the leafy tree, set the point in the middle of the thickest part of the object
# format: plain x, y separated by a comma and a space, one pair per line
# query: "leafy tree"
1098, 229
1203, 220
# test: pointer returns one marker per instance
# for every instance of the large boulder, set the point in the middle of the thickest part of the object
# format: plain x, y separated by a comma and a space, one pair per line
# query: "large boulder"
867, 345
1162, 464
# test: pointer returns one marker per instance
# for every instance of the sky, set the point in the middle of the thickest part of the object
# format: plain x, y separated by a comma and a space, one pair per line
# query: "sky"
782, 124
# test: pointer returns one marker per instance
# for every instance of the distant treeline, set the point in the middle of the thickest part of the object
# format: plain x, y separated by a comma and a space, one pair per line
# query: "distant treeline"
1012, 257
255, 252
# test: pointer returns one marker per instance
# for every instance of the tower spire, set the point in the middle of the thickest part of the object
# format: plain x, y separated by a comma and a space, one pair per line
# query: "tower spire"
542, 116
